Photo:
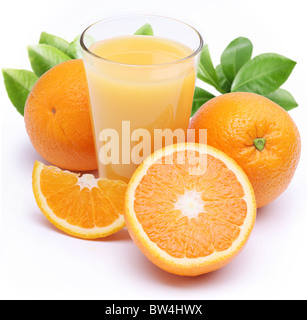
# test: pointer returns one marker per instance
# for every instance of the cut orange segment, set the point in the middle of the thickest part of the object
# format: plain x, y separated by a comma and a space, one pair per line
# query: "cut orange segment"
81, 206
190, 208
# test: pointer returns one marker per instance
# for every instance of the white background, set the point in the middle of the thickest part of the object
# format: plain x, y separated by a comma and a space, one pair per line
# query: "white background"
40, 262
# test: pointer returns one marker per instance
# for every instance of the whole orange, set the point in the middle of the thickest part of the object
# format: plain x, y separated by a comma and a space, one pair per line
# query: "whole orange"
258, 134
57, 118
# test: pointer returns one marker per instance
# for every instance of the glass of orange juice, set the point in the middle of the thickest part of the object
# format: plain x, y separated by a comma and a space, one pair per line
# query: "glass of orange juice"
139, 85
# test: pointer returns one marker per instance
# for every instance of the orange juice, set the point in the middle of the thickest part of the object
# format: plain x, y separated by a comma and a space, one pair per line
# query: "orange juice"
145, 81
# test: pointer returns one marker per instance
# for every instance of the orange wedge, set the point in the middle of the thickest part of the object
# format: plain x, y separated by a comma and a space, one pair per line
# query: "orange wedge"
83, 207
190, 208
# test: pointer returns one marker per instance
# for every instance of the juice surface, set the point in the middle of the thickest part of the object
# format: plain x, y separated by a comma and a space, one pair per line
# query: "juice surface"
138, 81
141, 50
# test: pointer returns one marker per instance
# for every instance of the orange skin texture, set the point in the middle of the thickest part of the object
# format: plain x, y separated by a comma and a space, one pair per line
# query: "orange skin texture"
234, 120
57, 118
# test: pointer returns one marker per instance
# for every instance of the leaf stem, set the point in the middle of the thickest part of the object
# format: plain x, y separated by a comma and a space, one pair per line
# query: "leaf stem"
259, 143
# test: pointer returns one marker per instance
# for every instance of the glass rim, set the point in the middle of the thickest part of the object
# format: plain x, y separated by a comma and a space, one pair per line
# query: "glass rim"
193, 54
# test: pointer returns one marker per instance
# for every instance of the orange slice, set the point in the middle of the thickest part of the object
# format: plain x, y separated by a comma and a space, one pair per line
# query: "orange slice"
84, 207
190, 208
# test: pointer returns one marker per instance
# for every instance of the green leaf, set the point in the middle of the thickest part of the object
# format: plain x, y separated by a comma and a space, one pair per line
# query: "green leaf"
283, 98
145, 30
263, 74
206, 71
54, 41
75, 50
201, 96
224, 84
43, 57
237, 53
18, 84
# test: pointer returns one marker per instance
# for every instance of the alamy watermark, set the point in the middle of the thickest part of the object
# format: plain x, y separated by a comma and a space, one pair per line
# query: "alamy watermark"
128, 147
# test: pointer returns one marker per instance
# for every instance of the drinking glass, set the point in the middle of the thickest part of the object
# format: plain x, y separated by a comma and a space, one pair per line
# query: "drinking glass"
131, 101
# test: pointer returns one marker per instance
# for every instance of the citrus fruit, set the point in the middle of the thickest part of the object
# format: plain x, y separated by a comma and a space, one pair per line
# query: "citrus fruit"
57, 118
189, 208
81, 206
258, 134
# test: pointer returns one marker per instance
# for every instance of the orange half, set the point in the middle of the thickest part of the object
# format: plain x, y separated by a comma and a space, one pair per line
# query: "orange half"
190, 208
81, 206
